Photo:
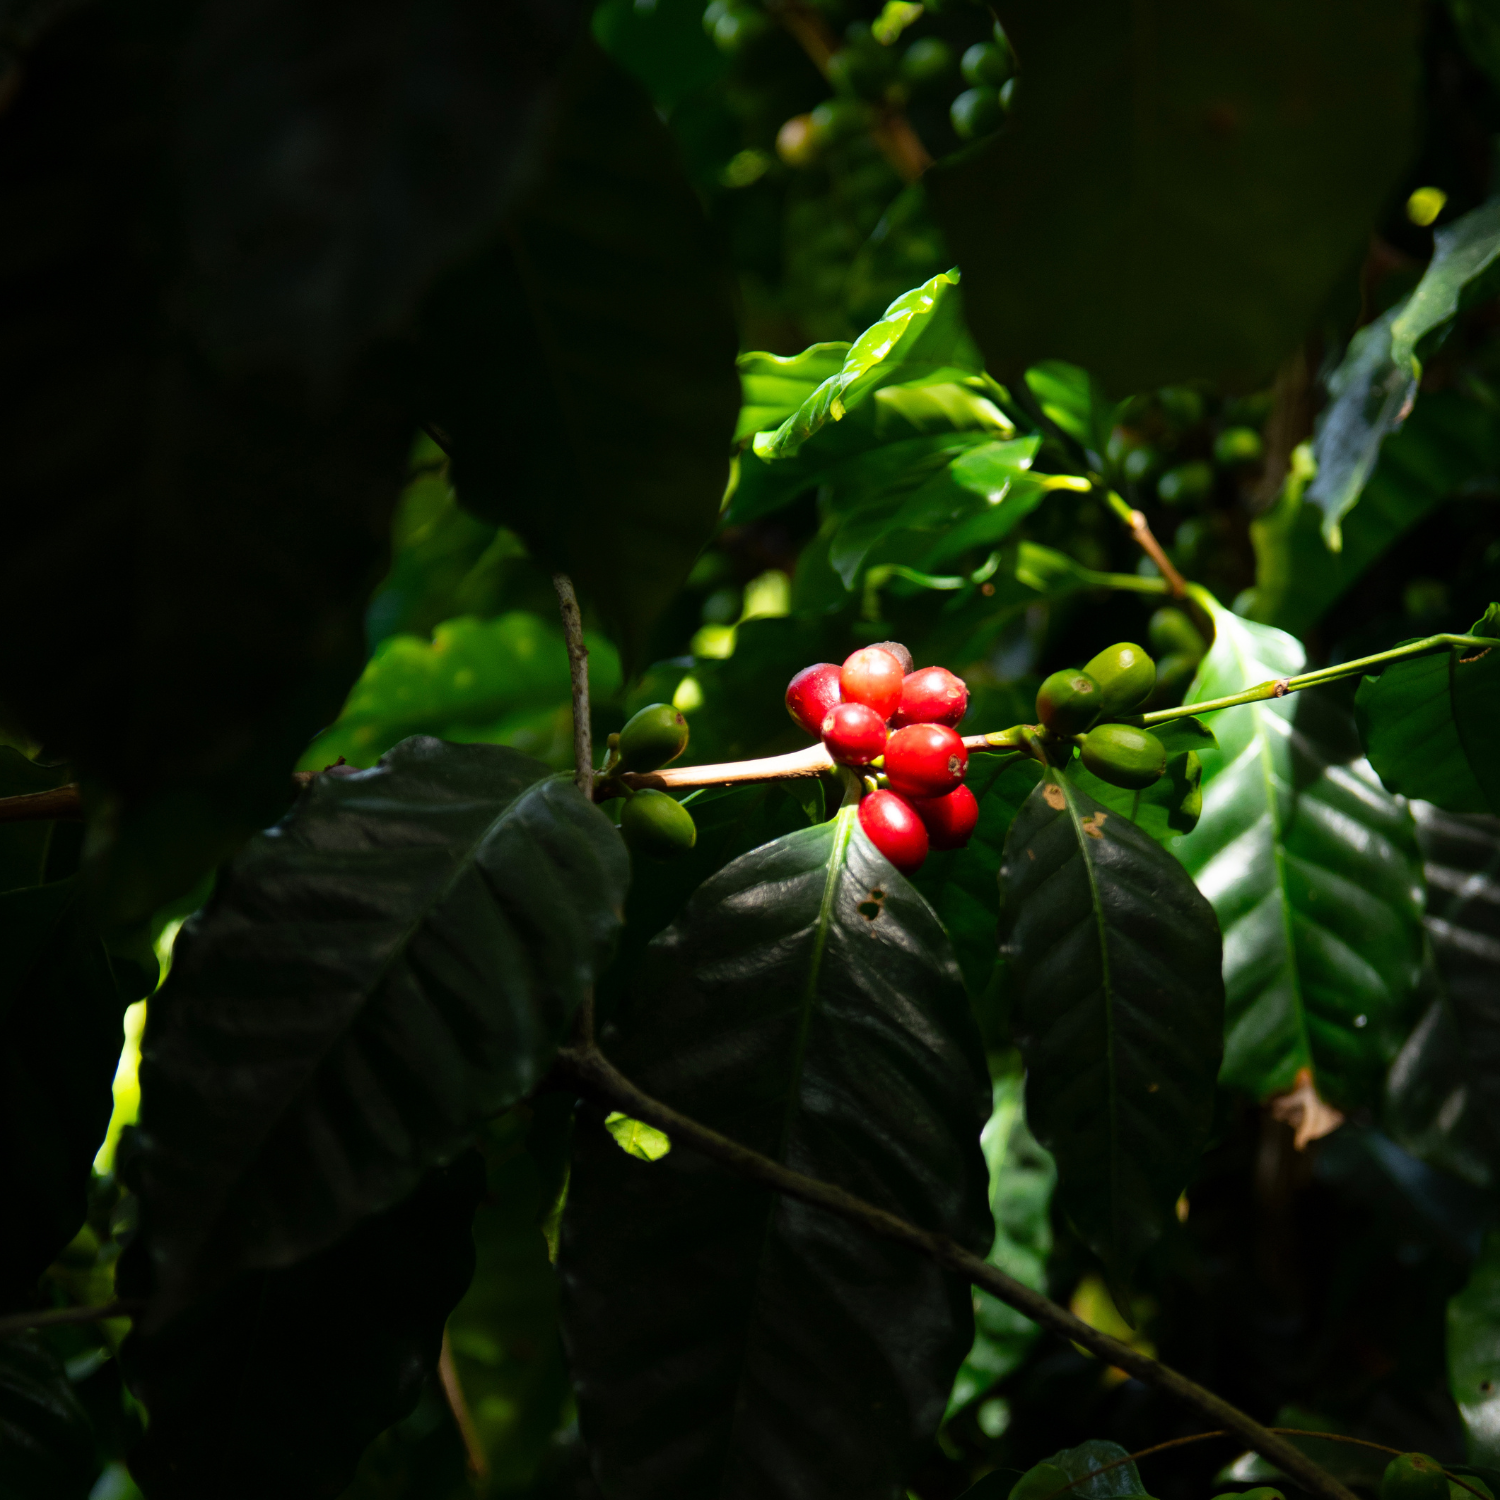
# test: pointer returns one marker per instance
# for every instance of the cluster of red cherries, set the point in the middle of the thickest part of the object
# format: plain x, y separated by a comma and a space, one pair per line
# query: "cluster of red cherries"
876, 715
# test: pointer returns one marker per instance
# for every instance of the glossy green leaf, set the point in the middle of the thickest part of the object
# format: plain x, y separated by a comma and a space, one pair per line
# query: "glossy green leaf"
637, 1139
1118, 1003
1073, 400
1177, 191
1432, 725
1474, 1354
960, 884
60, 1032
807, 1004
1449, 439
405, 950
1173, 804
47, 1448
501, 681
280, 128
583, 365
274, 1384
1120, 1481
1022, 1177
774, 386
1314, 873
187, 557
1370, 395
1460, 273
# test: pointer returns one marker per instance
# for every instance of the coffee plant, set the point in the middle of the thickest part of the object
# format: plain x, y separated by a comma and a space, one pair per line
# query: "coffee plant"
748, 749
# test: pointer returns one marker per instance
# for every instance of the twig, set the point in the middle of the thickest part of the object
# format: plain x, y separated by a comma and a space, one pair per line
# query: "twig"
1145, 539
597, 1079
35, 807
463, 1418
57, 1316
578, 665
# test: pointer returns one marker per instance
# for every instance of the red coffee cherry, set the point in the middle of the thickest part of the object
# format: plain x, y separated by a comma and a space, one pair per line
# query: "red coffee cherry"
932, 696
854, 734
949, 820
891, 825
925, 760
872, 676
812, 694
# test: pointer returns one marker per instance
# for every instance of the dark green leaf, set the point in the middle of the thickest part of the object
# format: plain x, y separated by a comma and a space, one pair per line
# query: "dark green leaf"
724, 1342
401, 957
1474, 1353
1432, 725
46, 1442
1118, 1006
60, 1039
1177, 192
23, 846
274, 1384
1081, 1465
1022, 1177
1478, 24
1171, 805
1461, 273
584, 364
334, 160
1315, 876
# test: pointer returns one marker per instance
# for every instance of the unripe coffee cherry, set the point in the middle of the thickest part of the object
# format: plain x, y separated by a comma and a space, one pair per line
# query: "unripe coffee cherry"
873, 676
894, 828
1414, 1476
949, 820
1125, 675
1068, 701
932, 696
899, 652
657, 734
925, 760
657, 824
812, 694
854, 734
1124, 756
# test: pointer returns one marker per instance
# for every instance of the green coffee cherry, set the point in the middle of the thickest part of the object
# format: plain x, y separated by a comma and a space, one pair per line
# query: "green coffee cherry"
1185, 483
1414, 1476
976, 112
1238, 445
1125, 675
1172, 631
987, 63
1124, 756
1069, 701
656, 735
927, 63
657, 824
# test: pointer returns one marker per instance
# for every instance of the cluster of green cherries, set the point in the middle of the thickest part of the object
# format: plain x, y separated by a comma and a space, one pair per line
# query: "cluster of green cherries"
651, 822
1077, 706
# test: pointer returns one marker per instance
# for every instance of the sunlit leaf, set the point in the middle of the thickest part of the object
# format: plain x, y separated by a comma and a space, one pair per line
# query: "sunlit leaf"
1118, 1010
1314, 873
1432, 725
637, 1139
1460, 274
773, 386
723, 1340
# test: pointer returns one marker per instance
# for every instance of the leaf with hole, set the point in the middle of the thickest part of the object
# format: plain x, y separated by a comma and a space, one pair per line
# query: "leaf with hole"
807, 1004
1431, 725
371, 979
1314, 872
582, 364
1118, 1007
275, 1383
1178, 190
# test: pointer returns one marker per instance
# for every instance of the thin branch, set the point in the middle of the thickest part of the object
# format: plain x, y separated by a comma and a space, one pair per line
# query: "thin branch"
463, 1418
578, 665
1145, 539
57, 1316
597, 1079
36, 807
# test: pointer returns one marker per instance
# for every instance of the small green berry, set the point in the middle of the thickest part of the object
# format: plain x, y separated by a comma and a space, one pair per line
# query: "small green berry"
657, 824
654, 736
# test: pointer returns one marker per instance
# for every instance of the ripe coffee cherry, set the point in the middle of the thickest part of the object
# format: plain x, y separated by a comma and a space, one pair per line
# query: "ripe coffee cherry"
891, 825
925, 760
1125, 675
1413, 1476
854, 734
657, 824
812, 694
872, 676
657, 734
932, 696
949, 820
1068, 701
1124, 756
899, 652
